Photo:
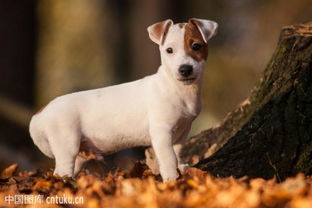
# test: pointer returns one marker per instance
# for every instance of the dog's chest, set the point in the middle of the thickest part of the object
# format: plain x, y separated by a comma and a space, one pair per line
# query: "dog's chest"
180, 116
181, 128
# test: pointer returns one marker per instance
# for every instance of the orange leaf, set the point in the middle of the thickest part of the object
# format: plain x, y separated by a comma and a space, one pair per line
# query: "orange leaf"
9, 171
195, 172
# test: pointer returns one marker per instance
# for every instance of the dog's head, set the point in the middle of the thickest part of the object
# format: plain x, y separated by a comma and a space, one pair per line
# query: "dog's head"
183, 46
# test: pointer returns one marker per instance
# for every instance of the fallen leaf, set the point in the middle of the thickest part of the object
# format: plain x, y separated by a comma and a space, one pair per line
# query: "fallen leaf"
195, 172
194, 189
9, 171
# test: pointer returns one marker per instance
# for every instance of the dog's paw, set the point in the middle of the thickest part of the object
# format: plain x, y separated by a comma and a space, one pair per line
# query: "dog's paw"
183, 167
151, 161
169, 176
155, 171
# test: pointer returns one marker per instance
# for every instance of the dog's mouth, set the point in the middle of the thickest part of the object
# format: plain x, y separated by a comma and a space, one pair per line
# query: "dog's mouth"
187, 80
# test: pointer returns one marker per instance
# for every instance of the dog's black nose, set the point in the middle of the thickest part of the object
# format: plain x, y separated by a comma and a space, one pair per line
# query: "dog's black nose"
185, 70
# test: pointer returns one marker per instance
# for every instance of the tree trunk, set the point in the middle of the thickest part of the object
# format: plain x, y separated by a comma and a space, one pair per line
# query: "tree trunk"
270, 133
75, 47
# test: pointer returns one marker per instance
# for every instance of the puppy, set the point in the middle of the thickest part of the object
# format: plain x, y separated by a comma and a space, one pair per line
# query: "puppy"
156, 111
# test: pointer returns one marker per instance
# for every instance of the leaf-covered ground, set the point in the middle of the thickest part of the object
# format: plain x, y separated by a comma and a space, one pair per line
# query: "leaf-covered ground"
139, 188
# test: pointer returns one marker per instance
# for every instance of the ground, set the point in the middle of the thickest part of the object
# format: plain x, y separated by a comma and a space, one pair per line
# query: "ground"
140, 188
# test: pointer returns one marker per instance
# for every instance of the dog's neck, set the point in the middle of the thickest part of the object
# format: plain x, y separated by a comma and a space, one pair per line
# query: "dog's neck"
190, 94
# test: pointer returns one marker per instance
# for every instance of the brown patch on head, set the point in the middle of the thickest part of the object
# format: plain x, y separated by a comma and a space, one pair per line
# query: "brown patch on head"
192, 35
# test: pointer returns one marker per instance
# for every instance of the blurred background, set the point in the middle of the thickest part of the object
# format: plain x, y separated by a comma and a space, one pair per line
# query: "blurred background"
52, 47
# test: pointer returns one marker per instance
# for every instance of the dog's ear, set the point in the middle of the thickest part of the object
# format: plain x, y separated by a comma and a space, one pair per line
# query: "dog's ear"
207, 28
157, 32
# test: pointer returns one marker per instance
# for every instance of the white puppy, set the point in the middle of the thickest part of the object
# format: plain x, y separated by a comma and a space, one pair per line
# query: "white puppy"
156, 111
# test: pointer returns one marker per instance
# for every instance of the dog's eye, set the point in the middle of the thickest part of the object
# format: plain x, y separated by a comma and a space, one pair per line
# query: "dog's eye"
196, 46
169, 50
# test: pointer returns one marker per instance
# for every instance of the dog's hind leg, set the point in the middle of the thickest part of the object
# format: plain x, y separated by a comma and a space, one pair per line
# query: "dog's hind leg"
65, 147
79, 163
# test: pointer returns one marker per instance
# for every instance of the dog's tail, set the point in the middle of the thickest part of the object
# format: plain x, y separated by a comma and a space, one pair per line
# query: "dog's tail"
38, 136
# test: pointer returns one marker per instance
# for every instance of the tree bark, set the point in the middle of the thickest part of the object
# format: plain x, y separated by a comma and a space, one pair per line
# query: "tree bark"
270, 133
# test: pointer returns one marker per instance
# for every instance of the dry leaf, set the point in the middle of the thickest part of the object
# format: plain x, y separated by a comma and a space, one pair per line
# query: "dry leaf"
195, 188
195, 172
9, 171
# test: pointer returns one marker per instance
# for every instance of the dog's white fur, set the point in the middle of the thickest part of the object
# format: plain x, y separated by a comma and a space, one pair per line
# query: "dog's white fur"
157, 110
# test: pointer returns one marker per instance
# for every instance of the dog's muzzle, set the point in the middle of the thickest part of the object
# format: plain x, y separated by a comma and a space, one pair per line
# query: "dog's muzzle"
185, 72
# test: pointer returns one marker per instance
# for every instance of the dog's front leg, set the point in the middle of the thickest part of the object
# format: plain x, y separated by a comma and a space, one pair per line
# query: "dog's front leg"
181, 164
178, 148
163, 148
152, 162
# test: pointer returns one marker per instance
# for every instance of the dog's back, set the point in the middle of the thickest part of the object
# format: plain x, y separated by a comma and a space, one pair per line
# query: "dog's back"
107, 117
